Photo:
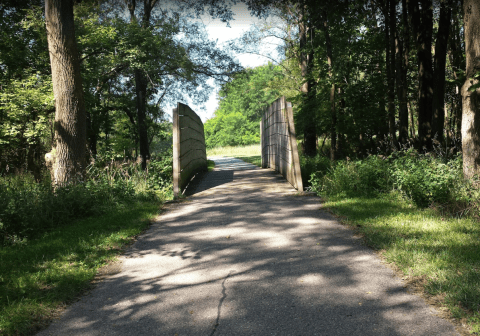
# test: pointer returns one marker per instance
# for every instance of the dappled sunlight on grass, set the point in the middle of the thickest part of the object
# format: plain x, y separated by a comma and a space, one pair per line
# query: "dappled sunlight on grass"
442, 251
45, 273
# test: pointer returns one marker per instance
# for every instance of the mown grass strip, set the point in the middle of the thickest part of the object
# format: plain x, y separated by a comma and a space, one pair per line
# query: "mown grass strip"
251, 150
256, 159
250, 154
438, 253
210, 165
40, 276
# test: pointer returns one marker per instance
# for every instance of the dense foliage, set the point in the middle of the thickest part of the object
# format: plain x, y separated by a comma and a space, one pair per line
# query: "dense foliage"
172, 54
29, 208
362, 74
242, 102
424, 179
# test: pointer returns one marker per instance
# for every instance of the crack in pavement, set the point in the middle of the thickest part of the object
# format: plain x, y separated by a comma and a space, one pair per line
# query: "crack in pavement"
220, 303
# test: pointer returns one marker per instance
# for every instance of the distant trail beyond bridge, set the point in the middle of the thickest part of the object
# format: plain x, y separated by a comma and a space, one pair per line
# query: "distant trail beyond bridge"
245, 255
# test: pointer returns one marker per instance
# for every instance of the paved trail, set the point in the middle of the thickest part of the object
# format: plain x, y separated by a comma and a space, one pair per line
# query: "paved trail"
245, 256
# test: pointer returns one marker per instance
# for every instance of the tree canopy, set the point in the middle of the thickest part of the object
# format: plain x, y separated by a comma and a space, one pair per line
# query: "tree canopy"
241, 104
171, 56
369, 76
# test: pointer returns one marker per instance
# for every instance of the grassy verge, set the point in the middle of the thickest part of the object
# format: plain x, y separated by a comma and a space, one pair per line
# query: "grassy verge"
256, 159
210, 165
250, 154
251, 150
438, 254
40, 276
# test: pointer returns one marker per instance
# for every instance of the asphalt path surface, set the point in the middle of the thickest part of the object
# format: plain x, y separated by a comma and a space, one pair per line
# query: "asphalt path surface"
246, 255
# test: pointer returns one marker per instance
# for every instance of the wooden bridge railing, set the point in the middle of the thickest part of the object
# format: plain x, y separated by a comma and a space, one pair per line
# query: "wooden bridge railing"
279, 142
189, 151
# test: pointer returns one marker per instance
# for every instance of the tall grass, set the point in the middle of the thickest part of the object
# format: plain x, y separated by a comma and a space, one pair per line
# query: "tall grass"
52, 242
421, 214
28, 208
423, 179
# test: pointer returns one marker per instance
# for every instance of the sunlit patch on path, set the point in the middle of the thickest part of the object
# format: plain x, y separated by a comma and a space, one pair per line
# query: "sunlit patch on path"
246, 255
230, 163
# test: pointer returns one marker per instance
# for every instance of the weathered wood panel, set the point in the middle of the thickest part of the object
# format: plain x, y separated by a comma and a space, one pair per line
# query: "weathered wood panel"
279, 142
189, 151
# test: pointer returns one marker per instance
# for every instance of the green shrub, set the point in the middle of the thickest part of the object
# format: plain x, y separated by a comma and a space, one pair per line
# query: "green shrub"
425, 179
318, 165
28, 208
353, 178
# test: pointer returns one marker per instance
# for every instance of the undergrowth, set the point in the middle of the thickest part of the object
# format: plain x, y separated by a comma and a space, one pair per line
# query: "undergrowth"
39, 276
422, 215
28, 208
425, 180
52, 241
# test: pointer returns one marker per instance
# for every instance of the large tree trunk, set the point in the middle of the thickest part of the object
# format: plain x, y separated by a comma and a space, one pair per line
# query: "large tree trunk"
390, 20
333, 126
438, 103
471, 98
422, 26
308, 87
67, 160
402, 52
457, 60
141, 91
425, 71
141, 84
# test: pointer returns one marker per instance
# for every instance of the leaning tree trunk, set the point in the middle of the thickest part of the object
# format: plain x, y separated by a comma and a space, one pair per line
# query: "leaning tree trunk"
67, 159
471, 98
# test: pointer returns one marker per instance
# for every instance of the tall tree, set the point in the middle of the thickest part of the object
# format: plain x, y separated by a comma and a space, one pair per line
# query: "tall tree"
471, 91
422, 23
390, 32
333, 112
456, 54
68, 157
402, 51
141, 81
307, 35
441, 45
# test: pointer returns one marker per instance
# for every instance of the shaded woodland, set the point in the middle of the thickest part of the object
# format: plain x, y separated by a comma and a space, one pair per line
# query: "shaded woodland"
374, 76
132, 58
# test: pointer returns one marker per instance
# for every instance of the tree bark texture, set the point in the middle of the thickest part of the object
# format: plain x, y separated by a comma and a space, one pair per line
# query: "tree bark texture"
438, 102
423, 18
402, 52
141, 84
68, 157
308, 89
471, 99
141, 92
457, 60
333, 126
390, 20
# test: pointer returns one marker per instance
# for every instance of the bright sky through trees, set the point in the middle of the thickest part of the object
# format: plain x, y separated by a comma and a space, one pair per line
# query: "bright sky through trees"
219, 31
